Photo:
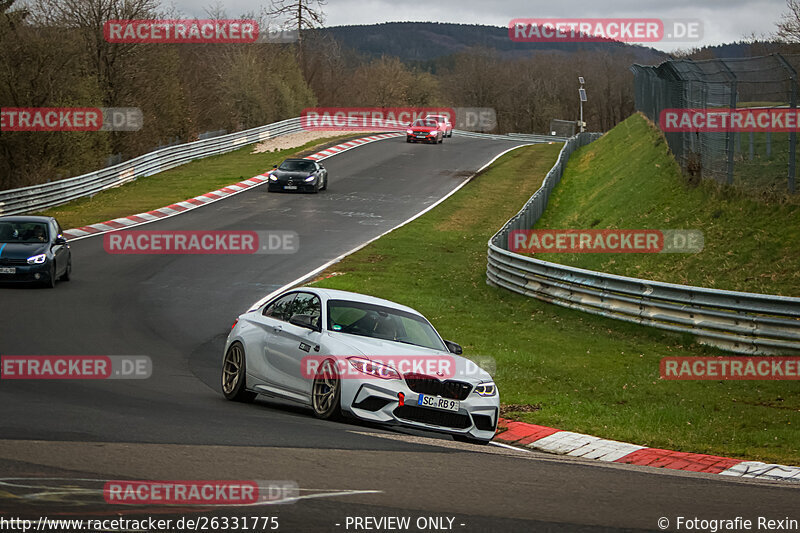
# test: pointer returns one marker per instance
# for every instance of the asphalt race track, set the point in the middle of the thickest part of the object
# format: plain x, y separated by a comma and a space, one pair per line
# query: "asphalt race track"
178, 309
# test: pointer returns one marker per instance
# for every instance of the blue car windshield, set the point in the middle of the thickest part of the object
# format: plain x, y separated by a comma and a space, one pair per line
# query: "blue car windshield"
23, 232
379, 322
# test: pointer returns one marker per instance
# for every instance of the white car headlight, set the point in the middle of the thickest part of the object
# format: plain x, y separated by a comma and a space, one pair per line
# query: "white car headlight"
272, 178
486, 389
37, 259
372, 368
310, 178
409, 132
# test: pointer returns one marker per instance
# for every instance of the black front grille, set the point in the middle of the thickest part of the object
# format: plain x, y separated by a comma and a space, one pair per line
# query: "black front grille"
432, 416
422, 384
12, 262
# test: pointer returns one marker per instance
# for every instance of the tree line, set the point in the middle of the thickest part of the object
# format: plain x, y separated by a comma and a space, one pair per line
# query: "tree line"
53, 54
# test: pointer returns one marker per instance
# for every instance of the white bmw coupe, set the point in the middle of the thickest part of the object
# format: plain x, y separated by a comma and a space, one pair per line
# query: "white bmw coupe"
343, 353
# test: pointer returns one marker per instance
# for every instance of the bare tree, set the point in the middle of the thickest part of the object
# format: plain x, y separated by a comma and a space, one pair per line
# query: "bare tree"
301, 15
789, 25
88, 17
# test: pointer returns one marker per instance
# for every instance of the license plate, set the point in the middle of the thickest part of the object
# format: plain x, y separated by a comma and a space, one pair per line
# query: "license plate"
290, 187
437, 403
8, 270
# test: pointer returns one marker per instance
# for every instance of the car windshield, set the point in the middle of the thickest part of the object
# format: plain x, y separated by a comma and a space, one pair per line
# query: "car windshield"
23, 232
297, 166
425, 124
379, 322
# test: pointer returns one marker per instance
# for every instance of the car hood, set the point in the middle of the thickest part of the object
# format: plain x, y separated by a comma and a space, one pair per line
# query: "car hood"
293, 174
385, 351
423, 128
18, 250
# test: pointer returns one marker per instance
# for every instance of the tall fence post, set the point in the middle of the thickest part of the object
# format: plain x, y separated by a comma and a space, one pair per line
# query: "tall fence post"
792, 134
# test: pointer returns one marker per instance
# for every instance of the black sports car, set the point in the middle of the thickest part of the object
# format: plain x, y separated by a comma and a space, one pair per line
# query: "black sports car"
298, 175
33, 249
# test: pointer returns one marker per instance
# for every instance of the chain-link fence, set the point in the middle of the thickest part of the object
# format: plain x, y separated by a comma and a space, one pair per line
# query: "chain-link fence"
759, 159
562, 128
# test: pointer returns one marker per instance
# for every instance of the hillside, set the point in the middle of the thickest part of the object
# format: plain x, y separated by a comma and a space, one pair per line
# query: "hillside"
424, 41
628, 180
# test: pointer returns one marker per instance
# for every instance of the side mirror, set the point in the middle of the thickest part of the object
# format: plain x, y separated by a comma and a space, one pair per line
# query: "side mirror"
60, 240
304, 321
274, 166
453, 347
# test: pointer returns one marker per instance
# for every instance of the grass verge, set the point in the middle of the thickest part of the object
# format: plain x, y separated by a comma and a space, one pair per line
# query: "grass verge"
178, 184
628, 179
555, 366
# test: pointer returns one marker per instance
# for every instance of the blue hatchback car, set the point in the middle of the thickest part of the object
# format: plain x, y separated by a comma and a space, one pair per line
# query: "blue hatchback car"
33, 249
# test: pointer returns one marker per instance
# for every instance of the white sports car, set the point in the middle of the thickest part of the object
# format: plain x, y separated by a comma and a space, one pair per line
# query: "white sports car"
345, 353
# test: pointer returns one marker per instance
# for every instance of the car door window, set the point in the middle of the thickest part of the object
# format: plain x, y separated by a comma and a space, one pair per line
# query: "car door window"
308, 304
281, 309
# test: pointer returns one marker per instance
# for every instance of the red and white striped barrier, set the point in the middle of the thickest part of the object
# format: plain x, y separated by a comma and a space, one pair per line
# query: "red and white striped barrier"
560, 442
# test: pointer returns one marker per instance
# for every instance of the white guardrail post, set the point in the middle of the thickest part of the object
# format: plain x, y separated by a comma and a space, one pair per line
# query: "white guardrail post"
740, 322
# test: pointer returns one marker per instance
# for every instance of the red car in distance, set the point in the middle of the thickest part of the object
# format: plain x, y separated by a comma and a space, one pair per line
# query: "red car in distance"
444, 124
425, 130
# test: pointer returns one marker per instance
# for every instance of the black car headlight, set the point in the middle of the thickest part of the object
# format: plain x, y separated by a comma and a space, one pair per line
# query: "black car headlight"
37, 259
486, 389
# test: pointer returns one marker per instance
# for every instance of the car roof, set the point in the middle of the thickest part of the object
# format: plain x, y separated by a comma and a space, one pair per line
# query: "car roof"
298, 159
25, 218
335, 294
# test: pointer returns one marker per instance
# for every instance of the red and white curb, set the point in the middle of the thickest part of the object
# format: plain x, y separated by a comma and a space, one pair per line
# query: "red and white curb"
560, 442
209, 197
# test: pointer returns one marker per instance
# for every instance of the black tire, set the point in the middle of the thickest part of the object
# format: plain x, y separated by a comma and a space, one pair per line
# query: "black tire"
234, 368
324, 184
441, 139
326, 392
51, 282
470, 440
65, 276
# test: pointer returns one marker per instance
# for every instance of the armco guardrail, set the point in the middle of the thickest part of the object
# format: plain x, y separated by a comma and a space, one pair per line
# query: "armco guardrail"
740, 322
522, 137
38, 197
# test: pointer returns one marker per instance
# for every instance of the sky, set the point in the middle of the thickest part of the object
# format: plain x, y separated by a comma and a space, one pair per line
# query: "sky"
723, 21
